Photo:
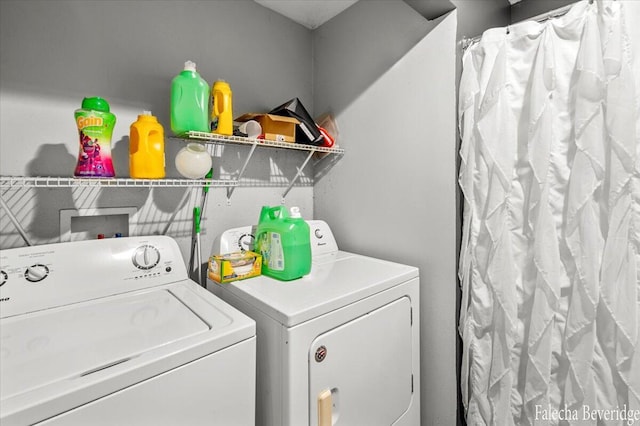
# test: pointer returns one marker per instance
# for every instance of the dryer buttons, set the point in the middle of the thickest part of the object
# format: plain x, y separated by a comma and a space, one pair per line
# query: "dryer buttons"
321, 353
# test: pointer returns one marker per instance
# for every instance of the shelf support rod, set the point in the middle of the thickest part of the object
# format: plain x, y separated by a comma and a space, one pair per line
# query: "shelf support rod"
15, 222
295, 178
230, 189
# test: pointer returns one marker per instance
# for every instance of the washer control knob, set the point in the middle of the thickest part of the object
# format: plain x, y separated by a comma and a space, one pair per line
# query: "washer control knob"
3, 277
36, 273
146, 257
318, 233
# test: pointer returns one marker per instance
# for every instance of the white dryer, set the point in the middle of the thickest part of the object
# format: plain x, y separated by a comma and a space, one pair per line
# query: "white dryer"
112, 332
338, 346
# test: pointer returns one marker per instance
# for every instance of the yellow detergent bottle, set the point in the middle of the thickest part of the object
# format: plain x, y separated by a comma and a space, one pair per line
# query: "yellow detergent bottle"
221, 108
146, 148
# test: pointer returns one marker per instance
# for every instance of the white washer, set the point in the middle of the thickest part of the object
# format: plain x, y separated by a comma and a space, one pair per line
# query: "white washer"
344, 338
112, 332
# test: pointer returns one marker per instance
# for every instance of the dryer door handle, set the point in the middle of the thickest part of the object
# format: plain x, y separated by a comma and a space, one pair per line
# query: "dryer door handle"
325, 406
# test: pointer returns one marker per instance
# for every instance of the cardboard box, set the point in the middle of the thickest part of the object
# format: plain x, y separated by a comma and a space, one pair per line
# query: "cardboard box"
224, 268
274, 127
308, 130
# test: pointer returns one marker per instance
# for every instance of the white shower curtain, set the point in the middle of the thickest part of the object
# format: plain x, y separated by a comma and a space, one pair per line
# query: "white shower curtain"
549, 262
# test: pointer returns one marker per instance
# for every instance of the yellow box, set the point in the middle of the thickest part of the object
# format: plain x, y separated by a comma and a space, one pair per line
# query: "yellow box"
224, 268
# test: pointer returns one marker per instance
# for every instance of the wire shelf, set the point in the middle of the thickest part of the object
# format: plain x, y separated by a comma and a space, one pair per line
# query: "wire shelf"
68, 182
16, 182
215, 138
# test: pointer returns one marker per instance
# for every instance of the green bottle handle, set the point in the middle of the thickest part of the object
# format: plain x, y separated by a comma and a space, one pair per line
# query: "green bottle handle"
272, 213
278, 212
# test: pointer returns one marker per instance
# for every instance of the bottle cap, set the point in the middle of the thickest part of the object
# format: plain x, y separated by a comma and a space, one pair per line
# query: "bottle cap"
145, 112
189, 66
295, 213
96, 104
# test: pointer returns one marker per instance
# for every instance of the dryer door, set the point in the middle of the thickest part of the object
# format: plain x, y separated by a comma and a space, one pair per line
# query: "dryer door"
360, 373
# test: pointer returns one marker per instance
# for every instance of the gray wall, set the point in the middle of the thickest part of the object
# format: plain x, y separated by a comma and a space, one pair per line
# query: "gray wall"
390, 76
54, 53
476, 16
529, 8
390, 83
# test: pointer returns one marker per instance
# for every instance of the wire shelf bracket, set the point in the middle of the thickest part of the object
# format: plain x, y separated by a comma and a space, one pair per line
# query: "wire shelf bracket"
254, 143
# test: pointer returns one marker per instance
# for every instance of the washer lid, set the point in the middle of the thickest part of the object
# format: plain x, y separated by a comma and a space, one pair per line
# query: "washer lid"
336, 280
64, 353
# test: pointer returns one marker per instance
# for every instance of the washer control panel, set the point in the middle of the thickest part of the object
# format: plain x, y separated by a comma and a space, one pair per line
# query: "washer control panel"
46, 276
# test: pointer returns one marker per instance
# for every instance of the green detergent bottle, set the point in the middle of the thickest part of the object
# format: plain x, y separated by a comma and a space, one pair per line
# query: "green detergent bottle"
283, 241
189, 101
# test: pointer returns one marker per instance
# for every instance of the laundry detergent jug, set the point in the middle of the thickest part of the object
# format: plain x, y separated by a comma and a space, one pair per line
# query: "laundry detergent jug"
221, 108
284, 243
189, 101
146, 148
95, 127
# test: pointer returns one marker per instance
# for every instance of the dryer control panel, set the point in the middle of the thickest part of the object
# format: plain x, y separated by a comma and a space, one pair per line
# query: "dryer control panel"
241, 239
47, 276
322, 239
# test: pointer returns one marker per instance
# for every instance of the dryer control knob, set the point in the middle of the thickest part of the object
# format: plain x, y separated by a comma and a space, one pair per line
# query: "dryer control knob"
146, 257
36, 273
246, 242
